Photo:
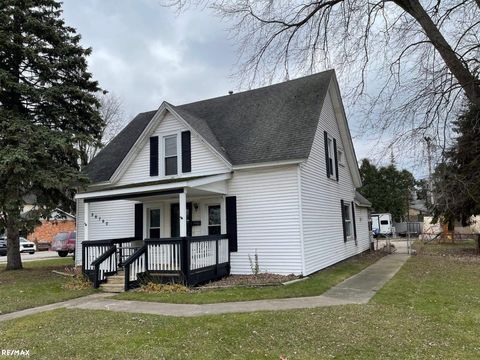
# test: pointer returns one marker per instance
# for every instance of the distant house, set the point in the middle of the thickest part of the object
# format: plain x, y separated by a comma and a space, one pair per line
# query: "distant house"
417, 208
207, 188
58, 221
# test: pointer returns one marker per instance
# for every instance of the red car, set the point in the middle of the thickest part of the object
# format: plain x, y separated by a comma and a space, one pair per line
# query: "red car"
64, 243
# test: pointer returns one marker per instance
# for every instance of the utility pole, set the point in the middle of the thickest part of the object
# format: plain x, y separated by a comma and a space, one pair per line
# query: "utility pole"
428, 139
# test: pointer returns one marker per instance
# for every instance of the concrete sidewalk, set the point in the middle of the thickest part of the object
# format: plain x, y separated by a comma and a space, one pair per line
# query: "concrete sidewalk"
358, 289
54, 306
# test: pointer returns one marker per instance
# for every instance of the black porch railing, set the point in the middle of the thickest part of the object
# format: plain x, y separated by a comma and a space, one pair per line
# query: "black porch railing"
191, 260
194, 259
101, 258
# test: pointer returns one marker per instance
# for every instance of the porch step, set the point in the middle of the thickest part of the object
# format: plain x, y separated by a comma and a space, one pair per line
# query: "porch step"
116, 279
112, 288
115, 283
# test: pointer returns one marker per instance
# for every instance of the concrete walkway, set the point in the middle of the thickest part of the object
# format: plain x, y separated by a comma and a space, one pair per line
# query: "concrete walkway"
358, 289
54, 306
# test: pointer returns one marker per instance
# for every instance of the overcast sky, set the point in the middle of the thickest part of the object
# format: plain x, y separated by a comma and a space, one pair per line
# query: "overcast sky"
145, 53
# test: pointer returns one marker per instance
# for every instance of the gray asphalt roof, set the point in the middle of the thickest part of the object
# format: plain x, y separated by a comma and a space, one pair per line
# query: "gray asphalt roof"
272, 123
362, 200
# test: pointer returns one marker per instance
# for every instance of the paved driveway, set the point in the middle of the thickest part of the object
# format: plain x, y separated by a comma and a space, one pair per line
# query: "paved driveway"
39, 255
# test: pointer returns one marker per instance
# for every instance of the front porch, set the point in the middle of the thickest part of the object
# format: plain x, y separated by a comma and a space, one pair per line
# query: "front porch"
180, 234
189, 260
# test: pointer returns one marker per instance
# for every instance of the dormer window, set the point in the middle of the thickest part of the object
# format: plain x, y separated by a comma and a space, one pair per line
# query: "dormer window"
170, 155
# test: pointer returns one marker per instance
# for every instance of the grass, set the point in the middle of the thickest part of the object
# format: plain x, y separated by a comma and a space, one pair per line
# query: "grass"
430, 309
316, 284
35, 285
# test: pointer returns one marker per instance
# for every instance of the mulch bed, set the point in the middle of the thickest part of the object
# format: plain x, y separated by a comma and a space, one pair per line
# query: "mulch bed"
264, 279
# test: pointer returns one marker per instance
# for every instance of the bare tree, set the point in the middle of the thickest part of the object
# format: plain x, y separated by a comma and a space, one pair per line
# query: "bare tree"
113, 115
405, 65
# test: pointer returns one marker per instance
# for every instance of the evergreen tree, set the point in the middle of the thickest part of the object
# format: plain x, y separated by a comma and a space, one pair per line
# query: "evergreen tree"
47, 107
388, 188
457, 180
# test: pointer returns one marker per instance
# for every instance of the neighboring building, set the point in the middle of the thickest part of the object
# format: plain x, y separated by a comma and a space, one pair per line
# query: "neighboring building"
417, 209
272, 169
58, 221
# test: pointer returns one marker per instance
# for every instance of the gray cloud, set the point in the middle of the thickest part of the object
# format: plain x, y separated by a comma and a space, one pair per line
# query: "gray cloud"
144, 53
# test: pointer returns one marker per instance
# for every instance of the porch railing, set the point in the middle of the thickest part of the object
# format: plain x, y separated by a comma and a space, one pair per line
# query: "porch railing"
94, 250
196, 259
134, 266
193, 259
106, 264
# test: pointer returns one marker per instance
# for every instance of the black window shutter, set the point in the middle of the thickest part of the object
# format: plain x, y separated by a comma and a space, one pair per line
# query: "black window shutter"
343, 222
231, 212
138, 221
354, 223
335, 155
327, 162
186, 152
154, 156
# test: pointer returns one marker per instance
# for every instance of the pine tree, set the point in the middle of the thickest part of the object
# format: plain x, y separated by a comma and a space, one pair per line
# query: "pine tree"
388, 188
47, 107
457, 179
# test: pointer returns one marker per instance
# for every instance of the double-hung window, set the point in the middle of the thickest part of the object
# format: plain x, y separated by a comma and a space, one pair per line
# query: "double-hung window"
331, 156
171, 155
347, 211
214, 227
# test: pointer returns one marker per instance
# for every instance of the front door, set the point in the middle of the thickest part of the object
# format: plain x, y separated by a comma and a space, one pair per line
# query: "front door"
175, 219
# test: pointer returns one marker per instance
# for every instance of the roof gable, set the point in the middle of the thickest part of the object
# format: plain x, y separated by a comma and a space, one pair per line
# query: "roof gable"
273, 123
104, 165
268, 124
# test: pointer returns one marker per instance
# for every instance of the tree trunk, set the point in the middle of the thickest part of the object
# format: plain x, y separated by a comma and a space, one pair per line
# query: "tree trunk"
14, 261
469, 83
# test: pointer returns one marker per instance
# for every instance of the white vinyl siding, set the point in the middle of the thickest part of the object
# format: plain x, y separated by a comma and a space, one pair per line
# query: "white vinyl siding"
204, 160
110, 220
321, 208
268, 220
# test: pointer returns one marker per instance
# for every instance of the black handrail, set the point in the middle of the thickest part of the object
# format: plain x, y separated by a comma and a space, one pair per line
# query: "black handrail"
130, 260
97, 262
109, 241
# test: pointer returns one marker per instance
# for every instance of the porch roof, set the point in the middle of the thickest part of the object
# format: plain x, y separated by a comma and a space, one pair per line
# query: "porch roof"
154, 188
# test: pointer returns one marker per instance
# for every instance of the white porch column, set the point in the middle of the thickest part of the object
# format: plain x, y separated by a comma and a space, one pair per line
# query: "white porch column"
182, 204
86, 216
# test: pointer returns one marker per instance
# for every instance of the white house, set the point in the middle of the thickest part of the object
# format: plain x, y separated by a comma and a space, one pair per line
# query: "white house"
199, 189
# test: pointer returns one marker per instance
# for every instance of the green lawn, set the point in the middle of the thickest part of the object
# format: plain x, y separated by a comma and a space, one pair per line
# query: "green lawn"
316, 284
35, 285
430, 309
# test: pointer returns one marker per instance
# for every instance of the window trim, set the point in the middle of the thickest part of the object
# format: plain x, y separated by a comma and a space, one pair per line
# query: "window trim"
178, 155
331, 156
348, 220
208, 216
150, 227
341, 157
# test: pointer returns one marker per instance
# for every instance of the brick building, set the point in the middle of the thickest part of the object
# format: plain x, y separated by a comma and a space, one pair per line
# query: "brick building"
59, 221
